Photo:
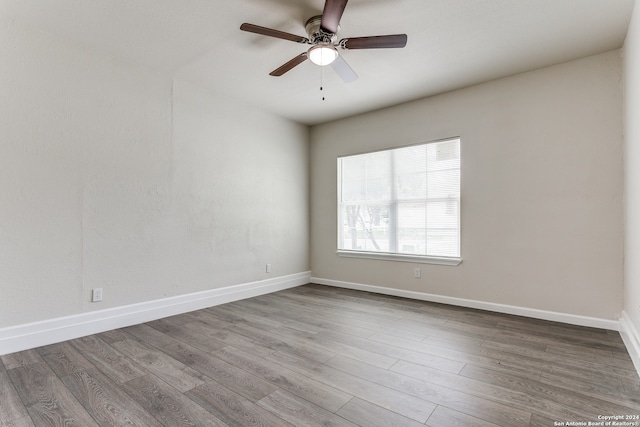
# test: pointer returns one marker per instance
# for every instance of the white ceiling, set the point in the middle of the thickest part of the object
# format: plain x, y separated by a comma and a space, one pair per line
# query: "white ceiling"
451, 44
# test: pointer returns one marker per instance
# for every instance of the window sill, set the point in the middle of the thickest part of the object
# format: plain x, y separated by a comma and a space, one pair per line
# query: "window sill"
386, 256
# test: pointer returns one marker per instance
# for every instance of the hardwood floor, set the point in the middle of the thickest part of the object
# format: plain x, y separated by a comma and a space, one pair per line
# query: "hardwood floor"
321, 356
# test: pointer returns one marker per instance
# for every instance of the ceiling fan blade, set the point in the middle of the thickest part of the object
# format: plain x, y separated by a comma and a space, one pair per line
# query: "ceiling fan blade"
289, 65
333, 10
343, 70
273, 33
375, 42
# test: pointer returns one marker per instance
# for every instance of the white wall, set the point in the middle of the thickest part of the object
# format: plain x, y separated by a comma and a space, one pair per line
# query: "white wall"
541, 189
115, 176
632, 177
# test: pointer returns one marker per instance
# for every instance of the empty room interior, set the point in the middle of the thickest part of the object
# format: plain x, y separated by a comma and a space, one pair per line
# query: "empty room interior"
200, 224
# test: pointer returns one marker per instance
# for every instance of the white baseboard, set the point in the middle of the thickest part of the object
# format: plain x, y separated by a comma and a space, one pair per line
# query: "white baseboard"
631, 337
32, 335
572, 319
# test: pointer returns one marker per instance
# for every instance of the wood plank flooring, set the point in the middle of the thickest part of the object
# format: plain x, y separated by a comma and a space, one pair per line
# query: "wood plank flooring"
321, 356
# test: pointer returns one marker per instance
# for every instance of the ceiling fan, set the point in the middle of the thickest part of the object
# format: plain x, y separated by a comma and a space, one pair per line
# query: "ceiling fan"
322, 35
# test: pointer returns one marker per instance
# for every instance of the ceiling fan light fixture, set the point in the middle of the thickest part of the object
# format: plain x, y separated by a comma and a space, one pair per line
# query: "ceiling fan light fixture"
322, 54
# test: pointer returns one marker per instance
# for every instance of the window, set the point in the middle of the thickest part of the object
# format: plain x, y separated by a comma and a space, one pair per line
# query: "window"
402, 203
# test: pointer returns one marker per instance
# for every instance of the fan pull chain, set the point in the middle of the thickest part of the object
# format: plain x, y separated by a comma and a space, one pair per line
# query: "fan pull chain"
322, 80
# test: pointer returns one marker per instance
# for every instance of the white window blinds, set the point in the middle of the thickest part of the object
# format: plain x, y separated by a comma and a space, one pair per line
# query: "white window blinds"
401, 201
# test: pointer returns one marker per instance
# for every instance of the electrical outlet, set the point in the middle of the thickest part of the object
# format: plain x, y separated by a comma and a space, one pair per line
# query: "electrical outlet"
268, 268
96, 295
417, 273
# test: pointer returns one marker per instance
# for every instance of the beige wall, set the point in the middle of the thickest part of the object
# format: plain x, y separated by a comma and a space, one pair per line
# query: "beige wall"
632, 172
115, 176
541, 189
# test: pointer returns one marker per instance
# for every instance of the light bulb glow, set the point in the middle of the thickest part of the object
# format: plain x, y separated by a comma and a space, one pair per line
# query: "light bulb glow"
322, 54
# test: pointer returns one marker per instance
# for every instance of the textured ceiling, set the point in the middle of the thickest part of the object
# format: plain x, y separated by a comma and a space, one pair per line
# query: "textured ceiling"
452, 44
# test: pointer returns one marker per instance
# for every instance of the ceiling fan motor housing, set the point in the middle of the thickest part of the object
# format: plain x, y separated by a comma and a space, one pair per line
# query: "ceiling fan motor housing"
316, 34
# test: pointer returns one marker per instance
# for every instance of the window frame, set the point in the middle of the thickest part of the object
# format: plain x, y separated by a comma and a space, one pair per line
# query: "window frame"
396, 256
